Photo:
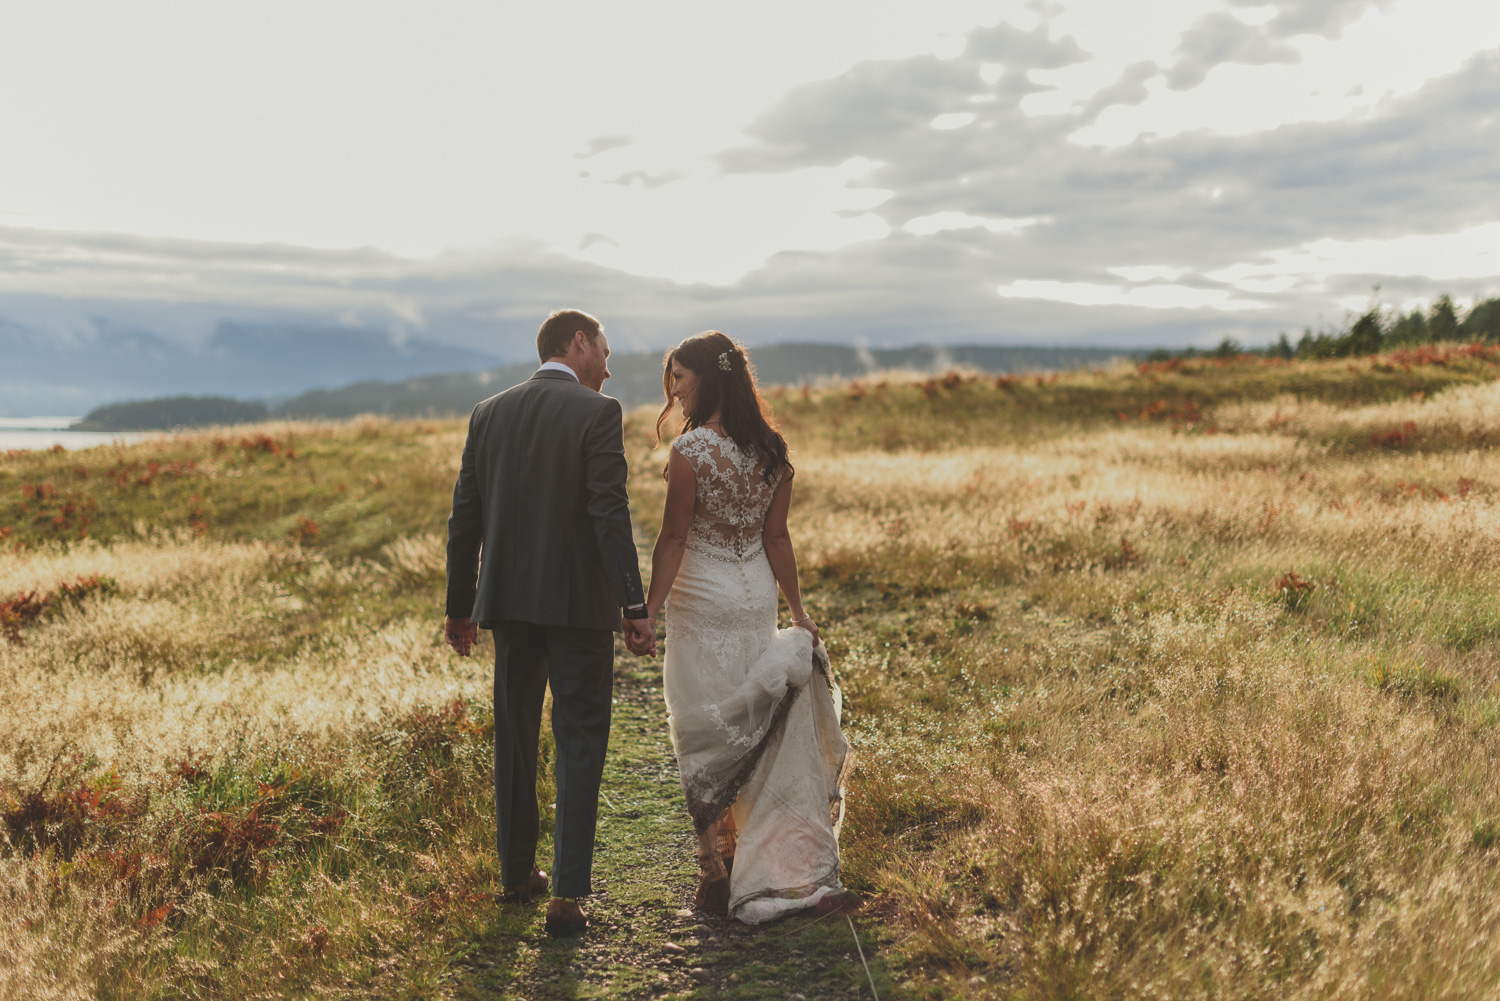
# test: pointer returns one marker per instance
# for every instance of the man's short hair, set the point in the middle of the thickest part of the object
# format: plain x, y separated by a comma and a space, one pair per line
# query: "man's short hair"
558, 330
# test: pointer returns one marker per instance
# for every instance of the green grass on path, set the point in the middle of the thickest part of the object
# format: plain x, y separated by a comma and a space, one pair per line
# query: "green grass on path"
645, 871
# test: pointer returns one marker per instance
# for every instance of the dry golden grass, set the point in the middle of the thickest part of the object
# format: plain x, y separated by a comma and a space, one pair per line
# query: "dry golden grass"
1189, 700
1106, 755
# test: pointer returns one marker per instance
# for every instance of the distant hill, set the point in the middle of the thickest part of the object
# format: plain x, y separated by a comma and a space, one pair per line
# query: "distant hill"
50, 372
636, 379
172, 412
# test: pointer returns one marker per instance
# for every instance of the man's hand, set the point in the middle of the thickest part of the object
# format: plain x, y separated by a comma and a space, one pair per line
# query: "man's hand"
460, 634
640, 637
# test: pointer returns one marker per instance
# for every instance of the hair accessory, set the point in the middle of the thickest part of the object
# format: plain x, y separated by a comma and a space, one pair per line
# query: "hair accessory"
724, 363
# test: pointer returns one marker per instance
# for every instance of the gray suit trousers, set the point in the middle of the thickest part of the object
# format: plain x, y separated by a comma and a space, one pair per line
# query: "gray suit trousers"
579, 666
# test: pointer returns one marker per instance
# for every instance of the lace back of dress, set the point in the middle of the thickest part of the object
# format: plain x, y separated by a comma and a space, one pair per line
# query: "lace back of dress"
732, 495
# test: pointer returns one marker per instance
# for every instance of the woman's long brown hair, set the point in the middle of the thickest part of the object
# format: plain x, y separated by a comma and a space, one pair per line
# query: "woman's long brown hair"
726, 383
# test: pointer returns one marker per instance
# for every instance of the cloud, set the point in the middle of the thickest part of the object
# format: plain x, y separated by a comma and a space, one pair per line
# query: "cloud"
1417, 169
601, 144
1471, 253
1142, 296
877, 107
939, 221
589, 239
645, 180
1222, 37
1149, 273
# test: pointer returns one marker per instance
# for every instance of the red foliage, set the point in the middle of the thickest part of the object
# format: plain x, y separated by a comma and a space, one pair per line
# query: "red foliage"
21, 610
1293, 590
1290, 581
1442, 354
128, 475
306, 531
28, 607
196, 518
190, 769
236, 841
65, 818
260, 442
154, 916
1181, 413
312, 943
1396, 437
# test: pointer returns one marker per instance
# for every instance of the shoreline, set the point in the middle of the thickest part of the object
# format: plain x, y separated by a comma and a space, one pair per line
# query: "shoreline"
34, 438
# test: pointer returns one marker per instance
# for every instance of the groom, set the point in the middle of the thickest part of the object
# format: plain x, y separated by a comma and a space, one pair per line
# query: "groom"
541, 493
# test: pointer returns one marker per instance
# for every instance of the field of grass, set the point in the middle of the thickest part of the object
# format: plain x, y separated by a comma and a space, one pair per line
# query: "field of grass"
1178, 681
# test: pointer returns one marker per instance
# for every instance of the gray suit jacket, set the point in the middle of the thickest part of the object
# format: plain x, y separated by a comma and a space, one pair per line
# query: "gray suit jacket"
542, 494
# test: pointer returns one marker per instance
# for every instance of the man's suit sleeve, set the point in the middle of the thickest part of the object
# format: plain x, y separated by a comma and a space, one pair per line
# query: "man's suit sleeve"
604, 473
465, 534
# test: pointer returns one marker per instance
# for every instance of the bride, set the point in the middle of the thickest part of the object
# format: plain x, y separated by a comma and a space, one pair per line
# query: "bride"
754, 710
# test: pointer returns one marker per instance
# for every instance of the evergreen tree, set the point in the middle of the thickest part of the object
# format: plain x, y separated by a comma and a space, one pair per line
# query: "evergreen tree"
1228, 348
1482, 323
1365, 337
1407, 330
1443, 326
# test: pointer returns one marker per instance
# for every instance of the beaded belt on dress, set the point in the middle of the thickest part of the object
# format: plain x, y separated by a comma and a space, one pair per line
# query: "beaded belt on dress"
726, 556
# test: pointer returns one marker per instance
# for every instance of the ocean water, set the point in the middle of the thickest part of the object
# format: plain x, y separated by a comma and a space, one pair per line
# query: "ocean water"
28, 433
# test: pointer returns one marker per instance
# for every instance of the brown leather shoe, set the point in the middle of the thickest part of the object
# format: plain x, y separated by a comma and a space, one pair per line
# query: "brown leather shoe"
565, 917
525, 890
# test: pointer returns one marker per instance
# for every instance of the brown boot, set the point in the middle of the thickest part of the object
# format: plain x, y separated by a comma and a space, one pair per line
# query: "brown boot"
713, 885
565, 917
528, 888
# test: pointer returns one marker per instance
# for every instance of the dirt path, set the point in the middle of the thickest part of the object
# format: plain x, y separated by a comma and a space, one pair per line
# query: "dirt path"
645, 941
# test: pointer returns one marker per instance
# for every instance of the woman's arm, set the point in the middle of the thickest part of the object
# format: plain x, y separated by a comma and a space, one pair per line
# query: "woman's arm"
676, 518
778, 541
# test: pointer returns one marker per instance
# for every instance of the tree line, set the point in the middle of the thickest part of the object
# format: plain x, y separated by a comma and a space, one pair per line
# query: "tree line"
1376, 331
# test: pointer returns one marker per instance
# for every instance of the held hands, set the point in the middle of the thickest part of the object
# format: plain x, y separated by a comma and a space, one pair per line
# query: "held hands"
460, 634
640, 637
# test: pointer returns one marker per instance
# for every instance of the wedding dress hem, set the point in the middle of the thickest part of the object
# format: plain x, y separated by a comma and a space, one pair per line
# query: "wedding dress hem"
772, 904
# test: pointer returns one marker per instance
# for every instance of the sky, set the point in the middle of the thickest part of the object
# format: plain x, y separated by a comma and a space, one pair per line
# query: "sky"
1109, 172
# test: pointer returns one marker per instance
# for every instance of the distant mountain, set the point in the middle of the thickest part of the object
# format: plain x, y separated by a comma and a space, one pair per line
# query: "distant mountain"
172, 412
46, 371
636, 379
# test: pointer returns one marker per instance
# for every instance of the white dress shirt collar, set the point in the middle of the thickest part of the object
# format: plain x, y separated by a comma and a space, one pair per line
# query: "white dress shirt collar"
557, 366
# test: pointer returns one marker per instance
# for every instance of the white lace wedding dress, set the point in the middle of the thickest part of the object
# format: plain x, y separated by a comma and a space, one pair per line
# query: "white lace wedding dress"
754, 710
